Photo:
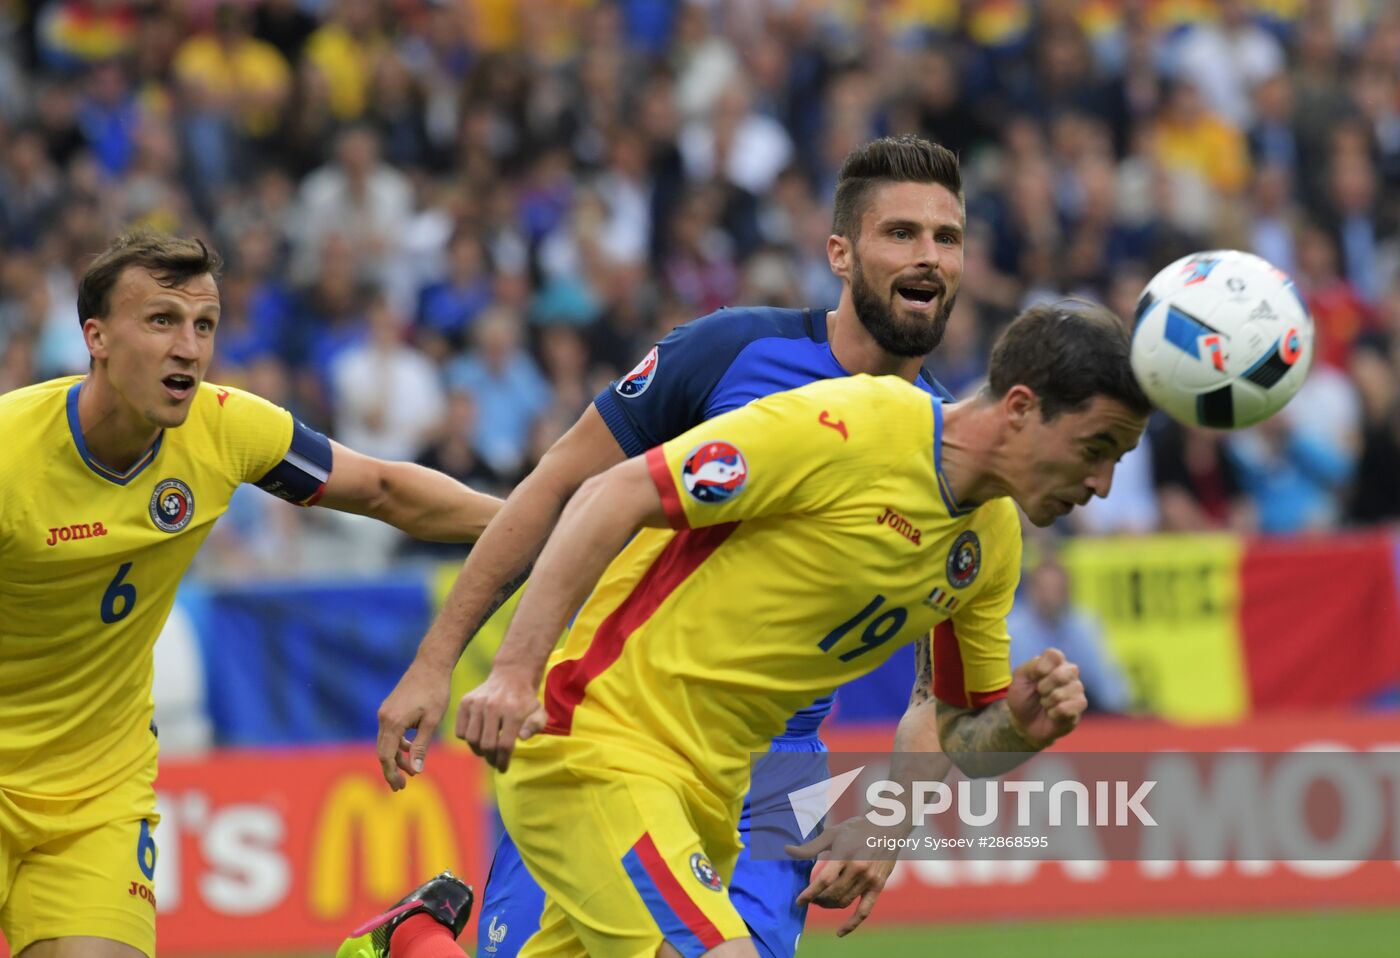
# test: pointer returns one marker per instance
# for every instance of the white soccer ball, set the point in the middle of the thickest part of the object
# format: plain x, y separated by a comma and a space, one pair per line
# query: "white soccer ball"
1223, 339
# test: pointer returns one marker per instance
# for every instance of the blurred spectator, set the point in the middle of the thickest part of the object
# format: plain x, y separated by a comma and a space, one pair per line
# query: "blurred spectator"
108, 116
29, 189
1228, 58
700, 266
1358, 222
447, 309
1375, 368
1276, 219
453, 448
1296, 465
1045, 617
1198, 485
358, 198
345, 51
226, 70
507, 387
1191, 139
1273, 142
388, 397
736, 142
1319, 93
1340, 313
564, 357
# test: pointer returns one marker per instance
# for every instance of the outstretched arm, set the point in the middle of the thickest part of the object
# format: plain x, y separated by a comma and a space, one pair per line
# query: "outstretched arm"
596, 524
498, 564
421, 502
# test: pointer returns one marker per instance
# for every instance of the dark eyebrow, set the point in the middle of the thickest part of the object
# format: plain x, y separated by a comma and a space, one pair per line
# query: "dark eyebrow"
1109, 440
914, 226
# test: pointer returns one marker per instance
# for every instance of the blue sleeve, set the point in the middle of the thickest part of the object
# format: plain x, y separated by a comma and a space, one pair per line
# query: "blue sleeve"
665, 394
1321, 460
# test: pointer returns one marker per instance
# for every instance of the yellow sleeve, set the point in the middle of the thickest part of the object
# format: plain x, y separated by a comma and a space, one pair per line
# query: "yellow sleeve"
254, 433
972, 650
790, 452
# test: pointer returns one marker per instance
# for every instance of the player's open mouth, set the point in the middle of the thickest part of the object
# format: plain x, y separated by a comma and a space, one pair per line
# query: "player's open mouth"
918, 297
179, 385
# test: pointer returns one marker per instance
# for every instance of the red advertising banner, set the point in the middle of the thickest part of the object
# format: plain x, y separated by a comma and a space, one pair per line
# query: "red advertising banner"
930, 891
288, 849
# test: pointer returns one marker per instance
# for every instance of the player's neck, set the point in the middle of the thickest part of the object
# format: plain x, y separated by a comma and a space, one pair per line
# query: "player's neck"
856, 350
115, 434
972, 456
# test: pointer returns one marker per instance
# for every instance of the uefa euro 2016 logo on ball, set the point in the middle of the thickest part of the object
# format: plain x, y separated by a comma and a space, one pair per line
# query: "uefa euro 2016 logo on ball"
1223, 339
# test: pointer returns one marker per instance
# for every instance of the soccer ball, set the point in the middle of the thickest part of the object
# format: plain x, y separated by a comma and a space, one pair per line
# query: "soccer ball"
1223, 339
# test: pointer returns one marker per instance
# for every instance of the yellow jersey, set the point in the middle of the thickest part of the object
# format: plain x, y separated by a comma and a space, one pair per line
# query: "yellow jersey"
90, 560
813, 534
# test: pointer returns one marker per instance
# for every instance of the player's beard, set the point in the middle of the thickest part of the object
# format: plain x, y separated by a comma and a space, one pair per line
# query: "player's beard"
893, 335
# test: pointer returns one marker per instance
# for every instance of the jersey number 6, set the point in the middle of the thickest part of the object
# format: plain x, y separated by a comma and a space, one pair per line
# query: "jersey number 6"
120, 597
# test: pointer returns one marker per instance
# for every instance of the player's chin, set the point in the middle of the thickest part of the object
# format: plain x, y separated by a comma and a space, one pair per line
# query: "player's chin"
170, 414
1044, 514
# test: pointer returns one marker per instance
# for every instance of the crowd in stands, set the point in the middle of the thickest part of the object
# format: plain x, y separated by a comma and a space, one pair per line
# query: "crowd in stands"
449, 223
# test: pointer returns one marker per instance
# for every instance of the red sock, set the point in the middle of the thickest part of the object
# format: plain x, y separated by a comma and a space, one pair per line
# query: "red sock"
423, 936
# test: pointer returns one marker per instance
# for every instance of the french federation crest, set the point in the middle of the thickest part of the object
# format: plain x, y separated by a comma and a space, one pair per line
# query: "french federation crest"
636, 382
172, 505
705, 872
964, 560
715, 472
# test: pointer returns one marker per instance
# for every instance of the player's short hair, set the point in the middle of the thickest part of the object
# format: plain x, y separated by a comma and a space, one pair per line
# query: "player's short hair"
172, 260
890, 159
1067, 352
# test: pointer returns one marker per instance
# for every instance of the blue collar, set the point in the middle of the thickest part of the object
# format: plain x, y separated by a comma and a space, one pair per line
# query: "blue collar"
111, 475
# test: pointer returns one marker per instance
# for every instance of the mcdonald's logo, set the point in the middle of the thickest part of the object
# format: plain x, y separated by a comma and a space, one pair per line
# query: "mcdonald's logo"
392, 831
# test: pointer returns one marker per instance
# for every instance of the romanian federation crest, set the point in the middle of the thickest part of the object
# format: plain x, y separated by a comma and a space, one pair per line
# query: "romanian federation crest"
172, 505
964, 560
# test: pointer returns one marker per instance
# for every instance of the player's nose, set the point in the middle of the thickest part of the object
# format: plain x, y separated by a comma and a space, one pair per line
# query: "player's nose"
1100, 480
185, 344
927, 252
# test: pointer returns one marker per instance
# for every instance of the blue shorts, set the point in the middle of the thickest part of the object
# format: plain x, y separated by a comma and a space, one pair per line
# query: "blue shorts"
764, 892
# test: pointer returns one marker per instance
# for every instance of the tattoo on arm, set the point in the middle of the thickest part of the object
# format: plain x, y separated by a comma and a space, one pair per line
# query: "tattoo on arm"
501, 597
923, 672
982, 742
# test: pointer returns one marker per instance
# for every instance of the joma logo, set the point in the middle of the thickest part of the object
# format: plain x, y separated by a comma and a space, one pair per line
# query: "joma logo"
80, 530
899, 524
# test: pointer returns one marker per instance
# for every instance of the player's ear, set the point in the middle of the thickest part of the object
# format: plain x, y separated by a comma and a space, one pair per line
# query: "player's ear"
838, 255
95, 335
1020, 403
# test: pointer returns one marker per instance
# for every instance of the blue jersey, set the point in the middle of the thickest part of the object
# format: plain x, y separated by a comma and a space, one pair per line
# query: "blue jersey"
717, 363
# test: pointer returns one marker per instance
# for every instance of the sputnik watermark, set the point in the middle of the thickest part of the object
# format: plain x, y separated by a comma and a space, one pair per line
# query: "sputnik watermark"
892, 803
1310, 807
1113, 804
